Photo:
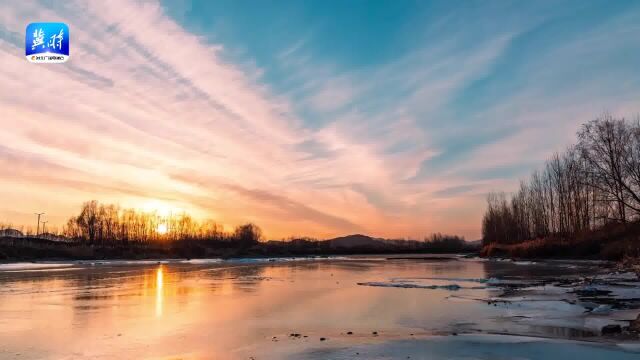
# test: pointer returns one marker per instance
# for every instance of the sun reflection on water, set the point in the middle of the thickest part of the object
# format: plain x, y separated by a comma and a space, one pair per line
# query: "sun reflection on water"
223, 311
159, 291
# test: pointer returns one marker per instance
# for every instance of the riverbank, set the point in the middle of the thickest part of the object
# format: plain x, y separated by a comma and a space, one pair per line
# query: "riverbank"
613, 242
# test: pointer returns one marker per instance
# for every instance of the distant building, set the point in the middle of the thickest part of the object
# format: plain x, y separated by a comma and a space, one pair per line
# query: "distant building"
11, 233
53, 237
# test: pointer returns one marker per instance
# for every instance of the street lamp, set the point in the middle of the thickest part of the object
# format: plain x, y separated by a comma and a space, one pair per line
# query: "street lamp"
38, 226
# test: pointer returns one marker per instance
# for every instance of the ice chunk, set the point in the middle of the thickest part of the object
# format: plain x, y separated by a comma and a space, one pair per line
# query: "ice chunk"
411, 285
524, 262
33, 266
602, 309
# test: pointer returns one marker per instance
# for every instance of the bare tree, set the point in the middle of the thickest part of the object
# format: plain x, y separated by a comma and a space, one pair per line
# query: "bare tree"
590, 184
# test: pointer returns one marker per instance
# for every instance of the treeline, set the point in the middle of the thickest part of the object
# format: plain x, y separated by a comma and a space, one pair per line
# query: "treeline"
100, 224
593, 183
443, 243
103, 231
106, 225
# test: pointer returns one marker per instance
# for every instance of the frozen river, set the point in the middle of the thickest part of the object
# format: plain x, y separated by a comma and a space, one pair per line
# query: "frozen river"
336, 308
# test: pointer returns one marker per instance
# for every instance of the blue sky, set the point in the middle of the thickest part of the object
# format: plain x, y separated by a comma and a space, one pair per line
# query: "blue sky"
354, 41
393, 118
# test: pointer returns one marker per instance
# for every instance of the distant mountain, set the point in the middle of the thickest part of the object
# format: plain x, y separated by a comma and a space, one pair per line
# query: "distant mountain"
356, 240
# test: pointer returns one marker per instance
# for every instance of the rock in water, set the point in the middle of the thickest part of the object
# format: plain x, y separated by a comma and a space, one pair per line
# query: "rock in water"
634, 325
611, 329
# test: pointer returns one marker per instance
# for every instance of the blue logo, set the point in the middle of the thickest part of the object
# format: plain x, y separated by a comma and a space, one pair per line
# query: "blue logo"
47, 42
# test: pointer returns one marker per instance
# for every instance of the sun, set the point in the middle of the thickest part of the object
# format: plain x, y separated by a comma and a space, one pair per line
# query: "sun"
161, 229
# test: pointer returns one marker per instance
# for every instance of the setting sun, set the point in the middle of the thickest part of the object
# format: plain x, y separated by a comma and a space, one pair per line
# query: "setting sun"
162, 229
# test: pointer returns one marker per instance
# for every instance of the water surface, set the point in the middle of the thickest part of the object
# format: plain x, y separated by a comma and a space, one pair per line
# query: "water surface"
249, 309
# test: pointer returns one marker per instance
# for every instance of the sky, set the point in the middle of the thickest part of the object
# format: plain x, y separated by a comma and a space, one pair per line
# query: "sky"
317, 118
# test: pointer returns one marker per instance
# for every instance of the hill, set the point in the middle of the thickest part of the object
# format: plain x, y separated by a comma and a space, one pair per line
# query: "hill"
356, 241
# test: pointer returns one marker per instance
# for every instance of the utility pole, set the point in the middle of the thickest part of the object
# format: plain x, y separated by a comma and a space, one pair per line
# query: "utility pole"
38, 227
44, 228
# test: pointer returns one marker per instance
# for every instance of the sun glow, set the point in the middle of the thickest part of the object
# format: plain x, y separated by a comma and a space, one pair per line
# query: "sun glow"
162, 229
160, 208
